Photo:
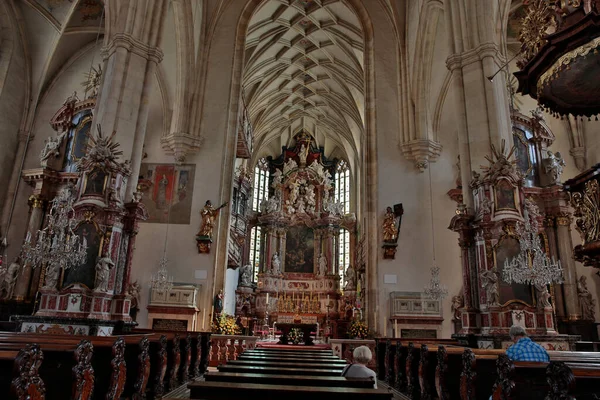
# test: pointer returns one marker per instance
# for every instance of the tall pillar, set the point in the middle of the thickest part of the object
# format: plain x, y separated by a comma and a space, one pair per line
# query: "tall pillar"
37, 205
131, 53
482, 112
550, 229
565, 253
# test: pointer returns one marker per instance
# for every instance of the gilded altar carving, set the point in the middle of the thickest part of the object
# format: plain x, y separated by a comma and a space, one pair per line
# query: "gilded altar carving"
587, 211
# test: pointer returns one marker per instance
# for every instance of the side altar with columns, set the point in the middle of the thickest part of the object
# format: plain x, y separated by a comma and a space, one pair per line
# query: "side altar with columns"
299, 278
80, 170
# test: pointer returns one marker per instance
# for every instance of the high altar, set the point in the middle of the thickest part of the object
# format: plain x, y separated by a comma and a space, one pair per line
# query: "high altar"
299, 278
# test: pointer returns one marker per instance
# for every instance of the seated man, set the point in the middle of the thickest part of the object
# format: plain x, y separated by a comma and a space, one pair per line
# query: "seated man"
524, 348
362, 356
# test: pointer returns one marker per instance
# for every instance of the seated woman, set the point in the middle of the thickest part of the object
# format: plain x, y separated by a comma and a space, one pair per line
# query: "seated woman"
362, 356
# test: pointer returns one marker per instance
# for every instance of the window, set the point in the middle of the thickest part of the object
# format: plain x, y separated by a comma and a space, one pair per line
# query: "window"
261, 183
342, 185
344, 254
255, 239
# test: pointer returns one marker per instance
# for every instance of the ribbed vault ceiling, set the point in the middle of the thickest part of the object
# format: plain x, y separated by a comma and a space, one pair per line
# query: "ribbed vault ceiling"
304, 70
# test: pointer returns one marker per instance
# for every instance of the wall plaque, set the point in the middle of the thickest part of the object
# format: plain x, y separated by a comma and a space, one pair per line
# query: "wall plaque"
169, 324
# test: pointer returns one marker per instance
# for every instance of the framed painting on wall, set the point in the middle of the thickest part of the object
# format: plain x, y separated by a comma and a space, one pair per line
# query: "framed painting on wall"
170, 196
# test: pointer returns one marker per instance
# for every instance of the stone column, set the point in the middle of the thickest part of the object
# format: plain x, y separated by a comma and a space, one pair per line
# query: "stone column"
37, 205
565, 253
131, 53
550, 229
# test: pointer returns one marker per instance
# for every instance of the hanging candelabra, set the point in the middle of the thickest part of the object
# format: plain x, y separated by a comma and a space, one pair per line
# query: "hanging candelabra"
532, 265
161, 281
57, 246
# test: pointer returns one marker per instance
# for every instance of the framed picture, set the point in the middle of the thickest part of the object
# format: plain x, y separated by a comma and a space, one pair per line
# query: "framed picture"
300, 250
95, 183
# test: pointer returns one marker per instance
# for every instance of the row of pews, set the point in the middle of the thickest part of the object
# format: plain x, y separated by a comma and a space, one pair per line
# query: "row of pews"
291, 374
136, 366
420, 370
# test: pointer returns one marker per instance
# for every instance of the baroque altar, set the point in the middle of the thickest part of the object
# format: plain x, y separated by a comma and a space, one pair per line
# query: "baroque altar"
94, 296
299, 278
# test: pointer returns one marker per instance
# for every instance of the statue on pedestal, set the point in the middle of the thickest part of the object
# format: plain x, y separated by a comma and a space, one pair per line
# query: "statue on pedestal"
133, 290
588, 304
350, 278
542, 296
52, 273
489, 281
390, 231
553, 166
8, 280
218, 303
246, 275
457, 304
103, 266
275, 264
51, 148
322, 265
209, 214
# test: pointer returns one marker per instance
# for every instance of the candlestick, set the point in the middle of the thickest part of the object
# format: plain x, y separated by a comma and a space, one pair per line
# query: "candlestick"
395, 328
203, 317
384, 327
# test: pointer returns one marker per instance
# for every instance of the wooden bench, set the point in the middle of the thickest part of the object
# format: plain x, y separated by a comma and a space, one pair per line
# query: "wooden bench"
287, 364
280, 371
297, 380
236, 391
249, 357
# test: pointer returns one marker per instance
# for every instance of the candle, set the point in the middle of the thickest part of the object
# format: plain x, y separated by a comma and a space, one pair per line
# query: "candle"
267, 299
395, 328
384, 327
203, 317
28, 238
327, 299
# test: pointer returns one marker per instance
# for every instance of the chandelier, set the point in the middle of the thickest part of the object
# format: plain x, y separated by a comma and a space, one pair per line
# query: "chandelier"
532, 265
57, 246
435, 290
161, 281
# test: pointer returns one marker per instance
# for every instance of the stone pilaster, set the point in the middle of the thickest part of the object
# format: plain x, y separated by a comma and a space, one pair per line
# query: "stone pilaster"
565, 253
131, 53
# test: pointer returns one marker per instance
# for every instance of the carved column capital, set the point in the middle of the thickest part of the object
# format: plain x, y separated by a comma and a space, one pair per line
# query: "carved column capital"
549, 221
564, 219
181, 144
133, 45
36, 201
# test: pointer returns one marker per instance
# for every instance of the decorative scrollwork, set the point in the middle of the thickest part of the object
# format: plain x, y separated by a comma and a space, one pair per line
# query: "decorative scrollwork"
161, 370
440, 374
175, 363
28, 384
587, 211
119, 370
423, 367
468, 376
561, 380
410, 376
83, 372
504, 384
143, 370
538, 18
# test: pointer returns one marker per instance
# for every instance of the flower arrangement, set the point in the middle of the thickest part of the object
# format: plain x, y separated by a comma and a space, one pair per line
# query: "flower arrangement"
295, 336
225, 325
358, 329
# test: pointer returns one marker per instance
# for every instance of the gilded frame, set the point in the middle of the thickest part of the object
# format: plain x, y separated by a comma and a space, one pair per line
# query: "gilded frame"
104, 184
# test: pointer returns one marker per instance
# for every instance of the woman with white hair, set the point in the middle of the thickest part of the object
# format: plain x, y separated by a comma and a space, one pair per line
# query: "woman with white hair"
362, 356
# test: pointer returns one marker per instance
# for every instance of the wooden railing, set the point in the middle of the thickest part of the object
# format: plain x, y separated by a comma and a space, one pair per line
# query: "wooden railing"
228, 347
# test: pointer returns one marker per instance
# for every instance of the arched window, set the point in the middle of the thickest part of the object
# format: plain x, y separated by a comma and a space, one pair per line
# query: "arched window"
255, 240
261, 183
342, 184
342, 194
344, 253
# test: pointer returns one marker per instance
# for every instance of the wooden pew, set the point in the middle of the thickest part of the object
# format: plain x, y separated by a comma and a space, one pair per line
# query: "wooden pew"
279, 370
236, 391
287, 364
319, 360
297, 380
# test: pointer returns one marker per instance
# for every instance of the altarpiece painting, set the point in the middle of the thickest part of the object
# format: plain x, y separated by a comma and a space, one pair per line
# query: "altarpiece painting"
170, 196
300, 250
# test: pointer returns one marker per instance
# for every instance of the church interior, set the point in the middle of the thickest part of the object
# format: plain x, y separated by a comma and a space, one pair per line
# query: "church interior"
219, 199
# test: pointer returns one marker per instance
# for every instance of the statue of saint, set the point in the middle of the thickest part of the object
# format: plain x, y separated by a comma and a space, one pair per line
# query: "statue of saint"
218, 303
275, 264
8, 280
542, 296
587, 302
553, 166
134, 291
51, 148
103, 267
390, 231
52, 272
350, 278
489, 280
246, 275
322, 265
209, 214
457, 304
303, 154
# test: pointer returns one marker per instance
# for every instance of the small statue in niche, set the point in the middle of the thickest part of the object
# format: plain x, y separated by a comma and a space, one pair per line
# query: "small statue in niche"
275, 264
587, 302
350, 278
277, 179
218, 303
302, 155
489, 281
457, 304
8, 280
553, 166
322, 265
390, 232
52, 273
542, 296
103, 267
246, 275
209, 214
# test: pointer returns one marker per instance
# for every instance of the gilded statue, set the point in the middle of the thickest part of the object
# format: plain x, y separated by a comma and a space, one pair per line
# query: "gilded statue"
390, 231
209, 214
